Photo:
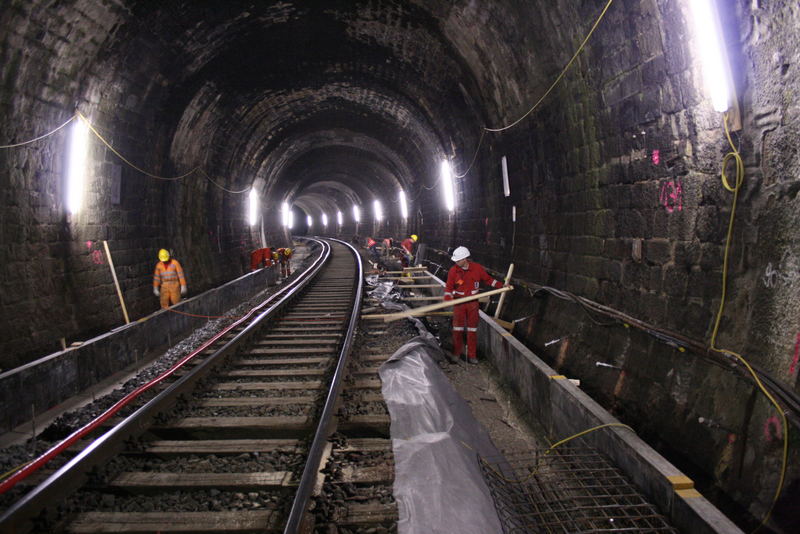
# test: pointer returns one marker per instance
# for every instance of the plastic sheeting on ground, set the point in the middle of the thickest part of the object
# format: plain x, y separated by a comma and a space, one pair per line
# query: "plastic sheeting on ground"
438, 483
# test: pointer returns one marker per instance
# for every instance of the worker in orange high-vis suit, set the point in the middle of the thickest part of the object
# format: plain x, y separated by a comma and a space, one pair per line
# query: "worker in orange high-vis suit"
463, 280
168, 280
284, 257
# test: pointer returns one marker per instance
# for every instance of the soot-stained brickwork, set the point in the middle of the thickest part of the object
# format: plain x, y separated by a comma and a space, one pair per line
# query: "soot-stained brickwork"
614, 179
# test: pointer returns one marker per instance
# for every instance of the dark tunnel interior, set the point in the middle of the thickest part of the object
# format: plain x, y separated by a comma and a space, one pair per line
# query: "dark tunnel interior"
613, 163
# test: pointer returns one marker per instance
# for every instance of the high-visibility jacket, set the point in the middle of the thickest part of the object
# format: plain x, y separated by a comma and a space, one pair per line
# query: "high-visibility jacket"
466, 282
371, 242
168, 272
262, 255
283, 255
408, 245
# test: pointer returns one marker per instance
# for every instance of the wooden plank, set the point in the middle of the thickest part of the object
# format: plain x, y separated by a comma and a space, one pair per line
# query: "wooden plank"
357, 514
291, 351
291, 329
147, 480
419, 299
243, 362
424, 309
422, 285
282, 422
275, 372
149, 522
221, 446
367, 445
366, 383
301, 336
317, 341
378, 474
255, 401
266, 386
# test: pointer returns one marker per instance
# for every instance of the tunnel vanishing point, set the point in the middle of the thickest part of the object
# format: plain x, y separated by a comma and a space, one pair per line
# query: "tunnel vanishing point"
652, 220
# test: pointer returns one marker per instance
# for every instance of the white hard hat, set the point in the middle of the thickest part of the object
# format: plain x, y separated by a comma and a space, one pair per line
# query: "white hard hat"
460, 253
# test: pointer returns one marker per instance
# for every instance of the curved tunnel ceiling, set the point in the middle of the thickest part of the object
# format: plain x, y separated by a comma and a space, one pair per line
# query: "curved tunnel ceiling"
365, 95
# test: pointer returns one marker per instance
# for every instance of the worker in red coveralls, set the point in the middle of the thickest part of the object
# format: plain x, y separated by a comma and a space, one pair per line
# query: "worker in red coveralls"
284, 257
408, 248
260, 258
464, 280
374, 253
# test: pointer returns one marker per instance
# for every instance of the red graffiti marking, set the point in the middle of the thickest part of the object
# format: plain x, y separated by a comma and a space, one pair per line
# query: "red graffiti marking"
772, 429
671, 196
793, 367
656, 157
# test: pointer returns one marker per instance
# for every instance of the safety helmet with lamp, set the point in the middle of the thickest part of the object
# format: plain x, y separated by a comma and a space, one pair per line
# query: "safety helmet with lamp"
414, 237
460, 253
163, 254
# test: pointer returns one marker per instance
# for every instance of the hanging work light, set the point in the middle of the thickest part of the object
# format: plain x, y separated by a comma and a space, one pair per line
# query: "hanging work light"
448, 187
403, 204
253, 205
711, 49
504, 166
76, 167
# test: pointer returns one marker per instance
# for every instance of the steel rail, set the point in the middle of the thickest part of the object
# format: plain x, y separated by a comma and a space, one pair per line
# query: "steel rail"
324, 429
17, 519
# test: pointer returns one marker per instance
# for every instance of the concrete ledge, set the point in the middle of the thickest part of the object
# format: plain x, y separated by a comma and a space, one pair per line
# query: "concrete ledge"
563, 409
48, 381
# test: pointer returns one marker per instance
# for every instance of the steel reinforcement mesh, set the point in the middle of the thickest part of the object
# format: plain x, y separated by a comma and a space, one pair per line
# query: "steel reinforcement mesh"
567, 490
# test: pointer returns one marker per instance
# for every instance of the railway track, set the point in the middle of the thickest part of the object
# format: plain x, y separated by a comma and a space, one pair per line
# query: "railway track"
234, 439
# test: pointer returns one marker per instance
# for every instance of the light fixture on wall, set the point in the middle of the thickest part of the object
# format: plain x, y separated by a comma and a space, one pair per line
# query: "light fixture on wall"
309, 221
377, 210
76, 166
356, 214
403, 204
253, 207
506, 187
324, 220
291, 219
339, 218
713, 57
285, 213
448, 186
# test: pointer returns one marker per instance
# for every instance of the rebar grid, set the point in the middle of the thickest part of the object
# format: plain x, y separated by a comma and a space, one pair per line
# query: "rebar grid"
567, 490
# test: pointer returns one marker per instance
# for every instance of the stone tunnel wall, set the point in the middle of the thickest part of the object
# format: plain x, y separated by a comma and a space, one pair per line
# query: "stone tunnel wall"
55, 278
618, 199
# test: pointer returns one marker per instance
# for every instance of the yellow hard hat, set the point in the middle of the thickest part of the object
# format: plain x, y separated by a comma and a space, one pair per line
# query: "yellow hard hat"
414, 237
287, 251
274, 255
163, 254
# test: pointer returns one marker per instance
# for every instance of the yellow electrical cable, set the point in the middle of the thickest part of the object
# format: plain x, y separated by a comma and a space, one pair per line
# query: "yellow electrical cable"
15, 469
120, 156
553, 446
738, 181
48, 134
558, 79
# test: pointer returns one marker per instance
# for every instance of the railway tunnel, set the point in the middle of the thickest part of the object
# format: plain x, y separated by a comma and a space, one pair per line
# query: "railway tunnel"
645, 190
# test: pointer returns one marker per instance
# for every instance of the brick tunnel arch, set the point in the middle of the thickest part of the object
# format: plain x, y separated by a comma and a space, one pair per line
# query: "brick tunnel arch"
614, 189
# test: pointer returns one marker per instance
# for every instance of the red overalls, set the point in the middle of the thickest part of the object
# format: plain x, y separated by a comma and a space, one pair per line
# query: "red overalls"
464, 283
259, 257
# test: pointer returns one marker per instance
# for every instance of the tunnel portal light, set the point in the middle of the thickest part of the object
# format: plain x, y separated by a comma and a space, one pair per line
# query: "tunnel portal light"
285, 212
309, 221
377, 210
325, 220
711, 49
449, 189
356, 213
403, 205
253, 211
506, 188
339, 218
76, 168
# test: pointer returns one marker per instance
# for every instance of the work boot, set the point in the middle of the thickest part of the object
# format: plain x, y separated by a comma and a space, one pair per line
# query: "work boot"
473, 360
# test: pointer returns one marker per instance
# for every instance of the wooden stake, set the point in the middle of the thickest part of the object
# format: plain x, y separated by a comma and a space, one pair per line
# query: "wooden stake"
116, 283
424, 310
503, 296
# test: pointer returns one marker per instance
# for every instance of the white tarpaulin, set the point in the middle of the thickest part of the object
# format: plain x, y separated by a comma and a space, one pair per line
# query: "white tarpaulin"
438, 483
